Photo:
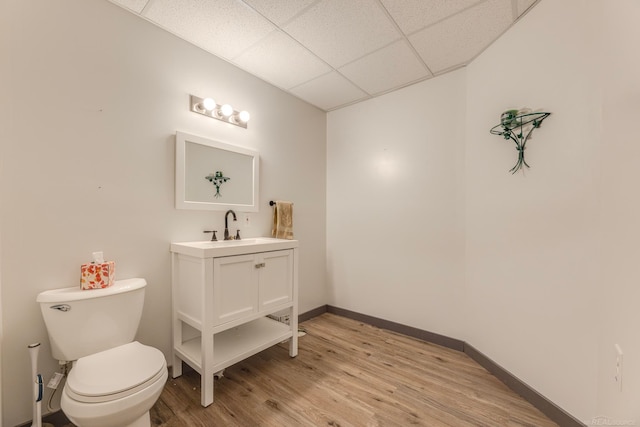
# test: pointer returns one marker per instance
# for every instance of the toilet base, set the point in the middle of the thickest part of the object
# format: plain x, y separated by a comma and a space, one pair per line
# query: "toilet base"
115, 413
143, 421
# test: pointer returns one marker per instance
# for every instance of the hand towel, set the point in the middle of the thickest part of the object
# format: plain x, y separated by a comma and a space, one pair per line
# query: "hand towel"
283, 220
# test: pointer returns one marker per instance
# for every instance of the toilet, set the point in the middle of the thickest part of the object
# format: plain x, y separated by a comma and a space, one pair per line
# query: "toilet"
114, 380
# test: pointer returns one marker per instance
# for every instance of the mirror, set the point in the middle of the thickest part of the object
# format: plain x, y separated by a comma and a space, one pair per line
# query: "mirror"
212, 175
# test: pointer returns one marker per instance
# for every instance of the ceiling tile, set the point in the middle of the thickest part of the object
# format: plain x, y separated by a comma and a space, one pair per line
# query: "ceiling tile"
457, 40
134, 5
336, 52
224, 27
385, 69
279, 11
328, 91
340, 31
414, 15
282, 61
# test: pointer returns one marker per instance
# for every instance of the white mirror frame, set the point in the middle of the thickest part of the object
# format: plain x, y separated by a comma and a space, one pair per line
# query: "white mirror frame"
181, 203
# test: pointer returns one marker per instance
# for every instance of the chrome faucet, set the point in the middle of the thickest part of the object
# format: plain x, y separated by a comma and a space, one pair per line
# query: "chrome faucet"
226, 224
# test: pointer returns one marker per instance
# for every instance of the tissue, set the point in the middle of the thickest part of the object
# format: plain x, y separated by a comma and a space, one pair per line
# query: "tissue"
97, 274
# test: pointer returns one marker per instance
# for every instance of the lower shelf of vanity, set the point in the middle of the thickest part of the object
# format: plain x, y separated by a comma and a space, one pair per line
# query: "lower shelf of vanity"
236, 344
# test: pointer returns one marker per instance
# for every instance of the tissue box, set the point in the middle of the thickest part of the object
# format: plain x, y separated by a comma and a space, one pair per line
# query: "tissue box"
97, 276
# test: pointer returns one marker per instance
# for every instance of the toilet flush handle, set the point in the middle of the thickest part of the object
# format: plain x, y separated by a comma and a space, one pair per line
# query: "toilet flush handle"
61, 307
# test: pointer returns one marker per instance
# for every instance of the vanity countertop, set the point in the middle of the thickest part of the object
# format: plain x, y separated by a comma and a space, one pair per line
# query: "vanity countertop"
220, 248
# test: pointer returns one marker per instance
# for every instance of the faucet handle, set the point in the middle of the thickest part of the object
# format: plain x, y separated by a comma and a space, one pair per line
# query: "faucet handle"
237, 234
213, 237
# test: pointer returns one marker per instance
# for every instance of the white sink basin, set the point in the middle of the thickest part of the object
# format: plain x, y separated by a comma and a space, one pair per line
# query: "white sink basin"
209, 249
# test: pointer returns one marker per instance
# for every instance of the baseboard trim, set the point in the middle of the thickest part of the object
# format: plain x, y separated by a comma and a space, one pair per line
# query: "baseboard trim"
312, 313
544, 405
400, 328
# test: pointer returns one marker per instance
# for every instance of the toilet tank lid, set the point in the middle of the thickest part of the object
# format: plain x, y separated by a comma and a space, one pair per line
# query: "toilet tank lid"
75, 293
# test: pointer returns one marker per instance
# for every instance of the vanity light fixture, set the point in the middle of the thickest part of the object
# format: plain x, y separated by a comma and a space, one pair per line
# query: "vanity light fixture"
225, 112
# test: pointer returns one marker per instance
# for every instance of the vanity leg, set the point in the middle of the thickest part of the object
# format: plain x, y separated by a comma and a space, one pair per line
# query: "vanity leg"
206, 382
293, 343
293, 312
206, 378
176, 368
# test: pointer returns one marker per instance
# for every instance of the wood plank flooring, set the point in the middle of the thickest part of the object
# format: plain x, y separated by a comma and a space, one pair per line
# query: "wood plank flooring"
349, 374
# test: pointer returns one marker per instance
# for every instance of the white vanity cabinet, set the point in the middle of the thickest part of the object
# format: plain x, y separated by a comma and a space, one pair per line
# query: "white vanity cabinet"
222, 293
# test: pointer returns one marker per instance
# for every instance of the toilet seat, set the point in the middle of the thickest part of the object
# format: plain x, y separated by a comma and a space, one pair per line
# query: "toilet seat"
115, 373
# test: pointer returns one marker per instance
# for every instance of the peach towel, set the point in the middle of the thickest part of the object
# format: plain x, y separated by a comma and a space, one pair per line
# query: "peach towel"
283, 220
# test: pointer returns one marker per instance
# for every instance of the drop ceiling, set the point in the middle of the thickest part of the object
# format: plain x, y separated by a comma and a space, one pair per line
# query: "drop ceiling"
333, 53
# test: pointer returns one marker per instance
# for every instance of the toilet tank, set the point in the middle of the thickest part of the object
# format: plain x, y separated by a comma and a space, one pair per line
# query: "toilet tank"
83, 322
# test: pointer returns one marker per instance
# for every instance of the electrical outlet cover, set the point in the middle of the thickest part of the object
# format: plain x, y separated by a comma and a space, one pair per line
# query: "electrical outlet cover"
618, 375
55, 380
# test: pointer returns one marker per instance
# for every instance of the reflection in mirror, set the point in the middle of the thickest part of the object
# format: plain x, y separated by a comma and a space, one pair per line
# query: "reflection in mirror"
213, 175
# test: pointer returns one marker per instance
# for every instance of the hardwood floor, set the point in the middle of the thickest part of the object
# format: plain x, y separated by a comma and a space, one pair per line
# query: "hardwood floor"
349, 374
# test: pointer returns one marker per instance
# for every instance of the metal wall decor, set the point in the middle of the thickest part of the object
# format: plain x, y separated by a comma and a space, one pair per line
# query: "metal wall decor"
217, 179
517, 125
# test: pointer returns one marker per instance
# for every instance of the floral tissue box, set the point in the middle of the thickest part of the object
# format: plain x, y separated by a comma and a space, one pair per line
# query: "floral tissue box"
97, 275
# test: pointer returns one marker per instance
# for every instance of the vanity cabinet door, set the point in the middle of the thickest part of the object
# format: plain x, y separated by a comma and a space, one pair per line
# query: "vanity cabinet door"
235, 288
276, 278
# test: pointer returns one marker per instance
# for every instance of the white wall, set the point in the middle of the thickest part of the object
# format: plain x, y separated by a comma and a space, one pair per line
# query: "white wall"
617, 308
547, 278
532, 239
394, 206
95, 98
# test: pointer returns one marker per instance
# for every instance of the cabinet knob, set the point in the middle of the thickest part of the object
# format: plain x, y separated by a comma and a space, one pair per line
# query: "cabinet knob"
260, 265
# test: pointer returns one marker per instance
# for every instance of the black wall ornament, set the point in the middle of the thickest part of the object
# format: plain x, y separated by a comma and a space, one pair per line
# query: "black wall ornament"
518, 125
217, 179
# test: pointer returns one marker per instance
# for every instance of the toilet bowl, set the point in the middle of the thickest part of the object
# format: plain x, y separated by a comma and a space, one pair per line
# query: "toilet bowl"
114, 381
116, 387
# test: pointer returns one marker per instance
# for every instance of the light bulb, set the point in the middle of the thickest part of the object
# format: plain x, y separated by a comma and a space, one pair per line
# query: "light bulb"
226, 110
209, 104
244, 116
